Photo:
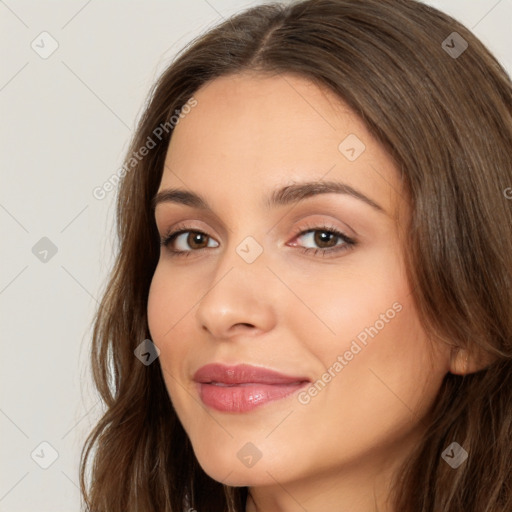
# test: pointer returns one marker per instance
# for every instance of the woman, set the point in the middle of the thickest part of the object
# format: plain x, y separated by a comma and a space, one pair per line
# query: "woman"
311, 304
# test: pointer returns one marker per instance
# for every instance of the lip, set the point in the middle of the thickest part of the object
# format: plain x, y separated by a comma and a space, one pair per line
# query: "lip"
243, 387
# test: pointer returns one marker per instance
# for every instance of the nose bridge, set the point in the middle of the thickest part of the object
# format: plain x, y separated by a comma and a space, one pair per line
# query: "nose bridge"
239, 292
244, 260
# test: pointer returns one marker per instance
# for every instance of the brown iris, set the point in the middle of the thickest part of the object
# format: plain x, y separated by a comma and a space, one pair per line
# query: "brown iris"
322, 237
194, 240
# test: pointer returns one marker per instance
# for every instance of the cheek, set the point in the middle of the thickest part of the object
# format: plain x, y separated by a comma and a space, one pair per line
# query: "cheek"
388, 373
360, 302
167, 309
171, 306
158, 309
169, 301
366, 333
376, 395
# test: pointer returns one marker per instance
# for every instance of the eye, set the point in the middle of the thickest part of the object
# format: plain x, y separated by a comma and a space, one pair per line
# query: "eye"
182, 241
328, 240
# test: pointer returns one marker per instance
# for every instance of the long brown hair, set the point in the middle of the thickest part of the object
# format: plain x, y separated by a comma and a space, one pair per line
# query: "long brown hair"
446, 119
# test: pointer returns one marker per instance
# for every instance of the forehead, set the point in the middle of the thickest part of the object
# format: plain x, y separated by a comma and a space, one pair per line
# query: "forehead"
262, 131
242, 113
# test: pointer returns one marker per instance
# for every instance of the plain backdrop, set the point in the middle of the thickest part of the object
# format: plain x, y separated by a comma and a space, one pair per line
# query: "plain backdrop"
66, 120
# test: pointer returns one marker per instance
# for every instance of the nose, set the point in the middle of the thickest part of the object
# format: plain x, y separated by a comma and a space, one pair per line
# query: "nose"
238, 300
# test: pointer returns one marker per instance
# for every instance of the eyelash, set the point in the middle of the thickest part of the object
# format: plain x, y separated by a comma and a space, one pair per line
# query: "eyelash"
349, 243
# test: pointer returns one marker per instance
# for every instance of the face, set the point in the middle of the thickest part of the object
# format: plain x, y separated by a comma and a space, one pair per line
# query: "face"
290, 345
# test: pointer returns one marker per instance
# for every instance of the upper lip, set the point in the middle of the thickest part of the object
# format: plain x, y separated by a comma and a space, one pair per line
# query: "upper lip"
242, 374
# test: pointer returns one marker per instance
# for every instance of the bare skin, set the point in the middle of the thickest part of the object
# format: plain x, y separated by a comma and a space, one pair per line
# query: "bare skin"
291, 311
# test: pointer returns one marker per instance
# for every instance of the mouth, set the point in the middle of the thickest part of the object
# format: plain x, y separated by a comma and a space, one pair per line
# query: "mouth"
242, 388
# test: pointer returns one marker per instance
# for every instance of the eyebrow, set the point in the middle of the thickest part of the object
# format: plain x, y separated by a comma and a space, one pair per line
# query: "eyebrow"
283, 196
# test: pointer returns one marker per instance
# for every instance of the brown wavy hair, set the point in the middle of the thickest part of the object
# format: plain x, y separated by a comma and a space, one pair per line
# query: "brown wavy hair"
447, 122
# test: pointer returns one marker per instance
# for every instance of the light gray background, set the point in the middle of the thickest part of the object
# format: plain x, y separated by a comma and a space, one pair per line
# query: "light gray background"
65, 125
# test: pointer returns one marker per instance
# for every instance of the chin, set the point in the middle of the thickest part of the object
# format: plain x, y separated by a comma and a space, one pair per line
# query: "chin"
237, 467
246, 480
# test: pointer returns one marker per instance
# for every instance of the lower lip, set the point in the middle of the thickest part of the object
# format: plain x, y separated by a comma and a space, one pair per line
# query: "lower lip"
244, 397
